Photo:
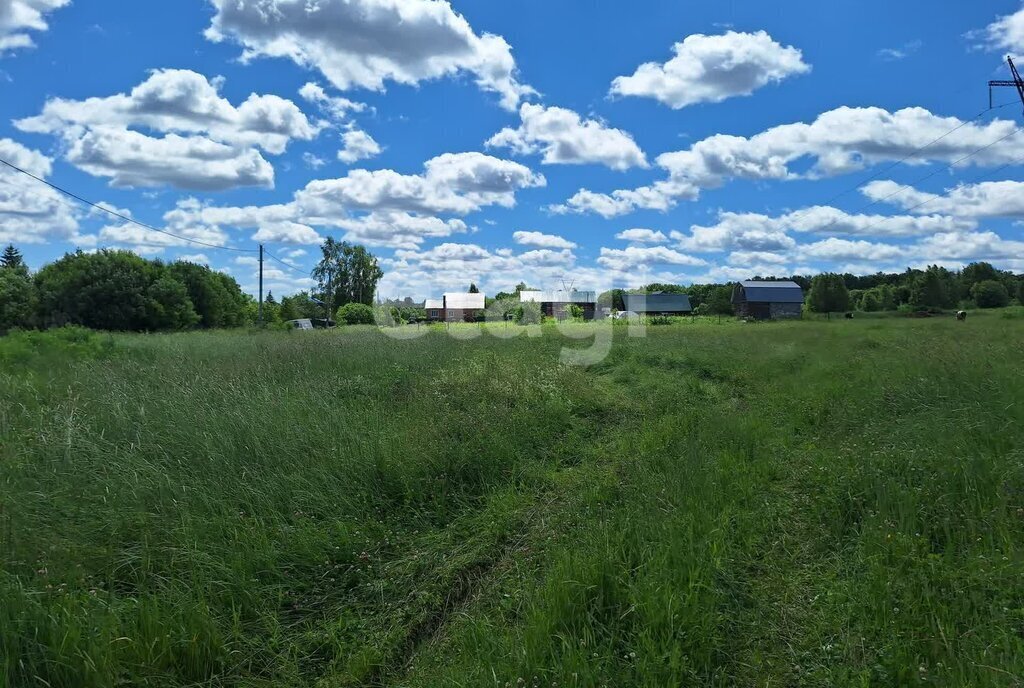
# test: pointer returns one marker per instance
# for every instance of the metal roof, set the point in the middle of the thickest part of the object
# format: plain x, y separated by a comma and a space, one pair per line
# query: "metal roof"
430, 304
772, 291
461, 300
558, 296
657, 303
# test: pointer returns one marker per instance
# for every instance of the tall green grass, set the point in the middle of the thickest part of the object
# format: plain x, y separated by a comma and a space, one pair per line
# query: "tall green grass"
808, 503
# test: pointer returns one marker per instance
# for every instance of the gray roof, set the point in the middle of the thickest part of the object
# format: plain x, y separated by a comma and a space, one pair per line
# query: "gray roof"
772, 291
657, 303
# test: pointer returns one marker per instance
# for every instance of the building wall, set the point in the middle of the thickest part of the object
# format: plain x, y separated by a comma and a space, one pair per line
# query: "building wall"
763, 310
460, 314
786, 310
560, 310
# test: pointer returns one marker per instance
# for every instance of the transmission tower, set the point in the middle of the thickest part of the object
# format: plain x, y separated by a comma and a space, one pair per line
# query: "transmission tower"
1016, 82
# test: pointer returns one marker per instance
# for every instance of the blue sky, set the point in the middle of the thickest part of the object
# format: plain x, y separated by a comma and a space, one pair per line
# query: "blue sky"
499, 142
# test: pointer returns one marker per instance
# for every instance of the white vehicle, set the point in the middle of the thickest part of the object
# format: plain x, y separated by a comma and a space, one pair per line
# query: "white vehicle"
626, 315
301, 324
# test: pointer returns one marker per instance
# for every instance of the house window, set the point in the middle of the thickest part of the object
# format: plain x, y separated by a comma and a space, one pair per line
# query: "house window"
433, 313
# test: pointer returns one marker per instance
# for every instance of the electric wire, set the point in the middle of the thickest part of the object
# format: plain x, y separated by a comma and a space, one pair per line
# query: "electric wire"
121, 216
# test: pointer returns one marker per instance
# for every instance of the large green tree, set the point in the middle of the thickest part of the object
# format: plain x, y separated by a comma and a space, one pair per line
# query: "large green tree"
216, 297
11, 259
977, 272
17, 299
300, 305
170, 307
112, 290
347, 273
828, 294
931, 289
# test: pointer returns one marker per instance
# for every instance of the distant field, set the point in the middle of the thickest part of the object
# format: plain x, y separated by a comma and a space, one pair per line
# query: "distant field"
809, 503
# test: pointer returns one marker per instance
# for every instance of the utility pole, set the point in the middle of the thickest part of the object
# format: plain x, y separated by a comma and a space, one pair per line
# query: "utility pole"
260, 312
1017, 82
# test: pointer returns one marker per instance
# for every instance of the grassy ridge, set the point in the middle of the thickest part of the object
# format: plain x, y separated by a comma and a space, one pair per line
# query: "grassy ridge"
808, 503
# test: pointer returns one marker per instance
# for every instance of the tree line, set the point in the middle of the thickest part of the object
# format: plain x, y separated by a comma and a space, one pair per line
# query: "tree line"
118, 290
977, 285
121, 291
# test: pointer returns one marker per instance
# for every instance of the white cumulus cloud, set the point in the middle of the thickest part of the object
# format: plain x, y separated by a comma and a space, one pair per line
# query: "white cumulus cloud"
131, 159
625, 259
987, 199
837, 142
709, 69
639, 235
541, 240
564, 138
19, 17
357, 145
208, 143
385, 207
183, 102
30, 212
365, 43
1004, 33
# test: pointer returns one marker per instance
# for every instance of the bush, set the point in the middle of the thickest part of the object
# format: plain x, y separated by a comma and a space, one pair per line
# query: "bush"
990, 294
355, 314
528, 313
870, 302
54, 345
118, 290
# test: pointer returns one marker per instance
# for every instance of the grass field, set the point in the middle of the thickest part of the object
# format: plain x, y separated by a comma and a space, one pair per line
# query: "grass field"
811, 503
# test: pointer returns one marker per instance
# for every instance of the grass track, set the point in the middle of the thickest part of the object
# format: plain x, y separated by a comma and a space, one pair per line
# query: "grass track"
785, 504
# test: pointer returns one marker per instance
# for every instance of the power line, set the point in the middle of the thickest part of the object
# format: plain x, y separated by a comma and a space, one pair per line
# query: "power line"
116, 214
909, 185
935, 196
290, 267
913, 153
934, 172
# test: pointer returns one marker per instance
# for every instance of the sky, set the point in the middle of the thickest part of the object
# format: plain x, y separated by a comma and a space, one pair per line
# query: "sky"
592, 144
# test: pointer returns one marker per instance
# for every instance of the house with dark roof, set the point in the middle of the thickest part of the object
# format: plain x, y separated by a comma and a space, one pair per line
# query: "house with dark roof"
657, 303
768, 299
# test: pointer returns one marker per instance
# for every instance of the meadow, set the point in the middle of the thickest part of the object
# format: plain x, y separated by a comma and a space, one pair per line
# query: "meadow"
816, 503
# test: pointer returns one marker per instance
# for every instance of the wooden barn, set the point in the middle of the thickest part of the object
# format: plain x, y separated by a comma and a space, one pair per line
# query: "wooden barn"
555, 304
657, 303
768, 299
